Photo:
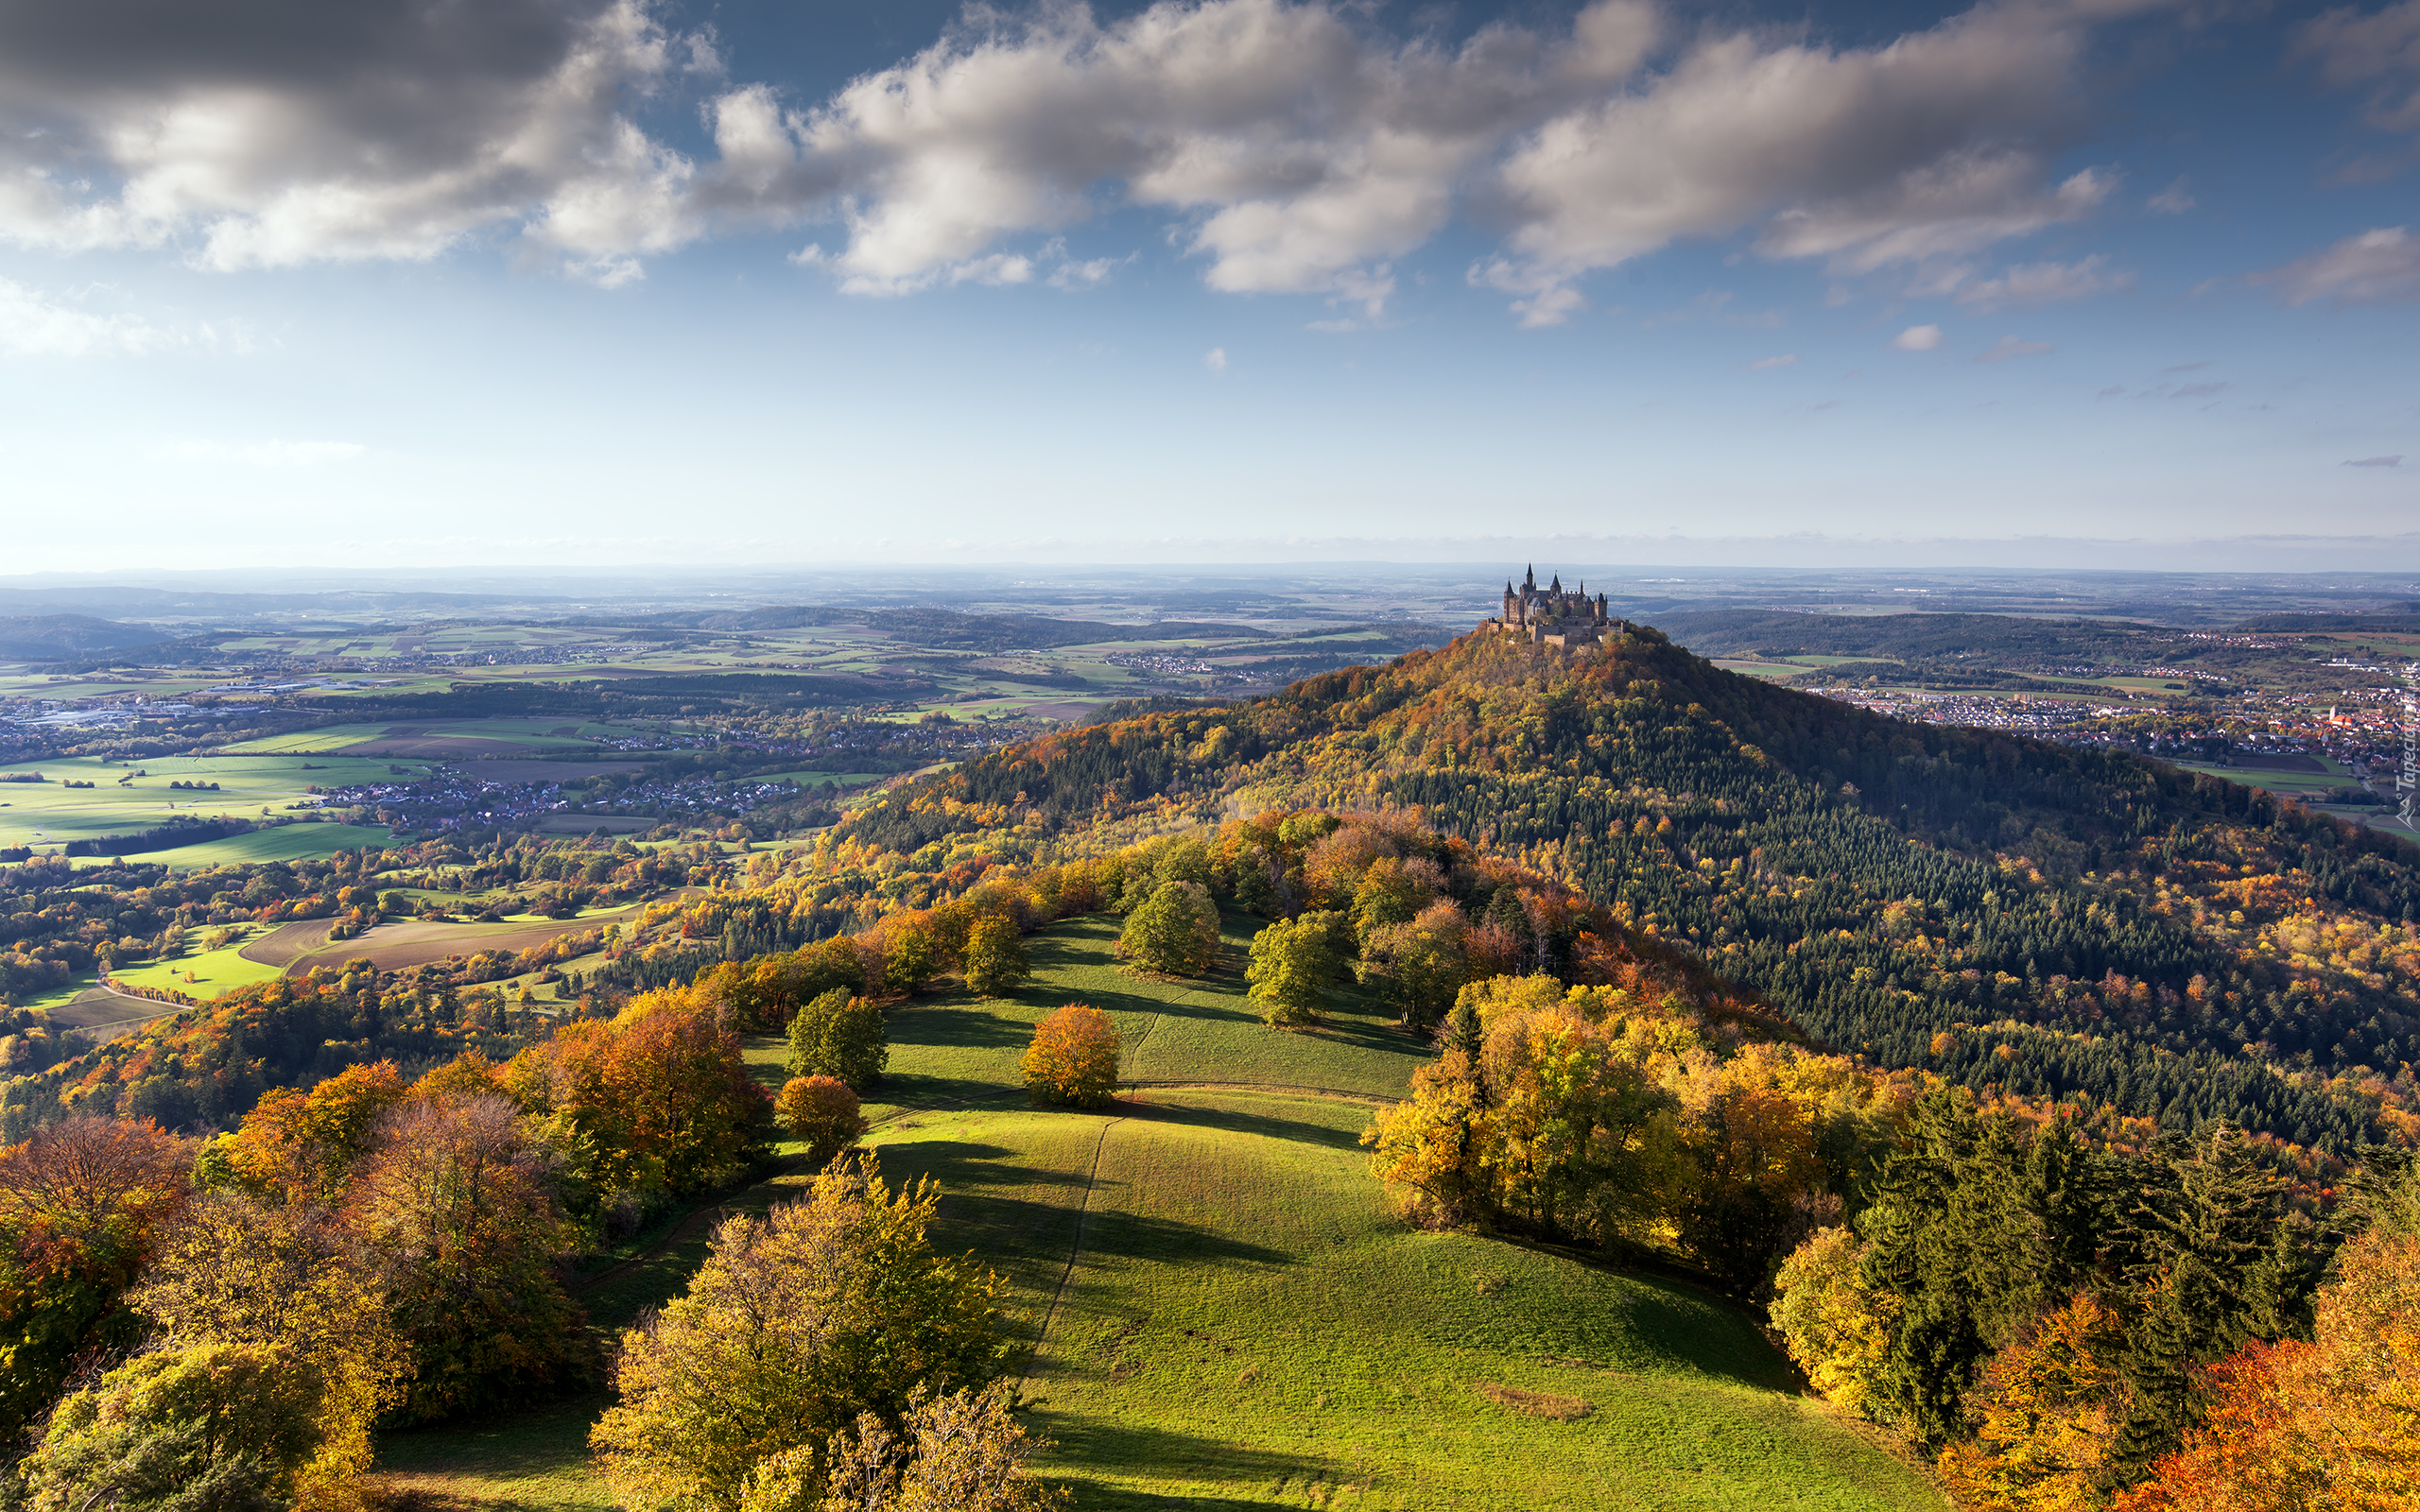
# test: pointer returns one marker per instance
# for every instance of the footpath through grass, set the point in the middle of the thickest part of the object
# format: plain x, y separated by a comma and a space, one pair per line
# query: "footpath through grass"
1219, 1311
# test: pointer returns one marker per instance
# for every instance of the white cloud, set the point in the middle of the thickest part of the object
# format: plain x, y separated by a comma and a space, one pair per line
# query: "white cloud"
2173, 200
1763, 363
269, 453
382, 128
1215, 359
2008, 347
2030, 286
1089, 274
2395, 461
2377, 267
1917, 338
1928, 147
2381, 49
1301, 147
34, 325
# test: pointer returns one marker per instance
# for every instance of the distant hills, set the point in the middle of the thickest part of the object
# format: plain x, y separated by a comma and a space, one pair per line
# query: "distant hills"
69, 637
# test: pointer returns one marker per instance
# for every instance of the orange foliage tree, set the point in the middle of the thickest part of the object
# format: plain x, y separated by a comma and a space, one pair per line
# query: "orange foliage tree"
656, 1099
81, 1206
2331, 1423
1073, 1059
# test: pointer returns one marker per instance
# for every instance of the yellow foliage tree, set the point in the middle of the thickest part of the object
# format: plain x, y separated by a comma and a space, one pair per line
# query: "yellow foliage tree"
2048, 1411
239, 1272
1836, 1327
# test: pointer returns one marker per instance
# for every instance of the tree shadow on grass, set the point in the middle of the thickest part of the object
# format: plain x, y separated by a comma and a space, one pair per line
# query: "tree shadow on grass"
1114, 1233
1138, 1104
1250, 1479
955, 1026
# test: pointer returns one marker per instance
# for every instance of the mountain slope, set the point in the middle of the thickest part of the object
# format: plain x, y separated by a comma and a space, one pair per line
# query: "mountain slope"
2053, 920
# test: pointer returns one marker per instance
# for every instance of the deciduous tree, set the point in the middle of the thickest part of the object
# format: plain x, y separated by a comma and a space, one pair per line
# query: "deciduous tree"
458, 1205
994, 958
839, 1036
1175, 932
797, 1323
1293, 963
1073, 1059
236, 1271
207, 1428
82, 1205
821, 1112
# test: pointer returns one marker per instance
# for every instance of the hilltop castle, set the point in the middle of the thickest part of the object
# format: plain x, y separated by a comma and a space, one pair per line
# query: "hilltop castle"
1553, 615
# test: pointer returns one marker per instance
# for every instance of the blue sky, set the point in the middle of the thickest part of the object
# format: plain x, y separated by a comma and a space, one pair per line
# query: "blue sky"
404, 283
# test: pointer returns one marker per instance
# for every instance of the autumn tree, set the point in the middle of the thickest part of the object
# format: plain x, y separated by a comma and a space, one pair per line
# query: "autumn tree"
1420, 964
1074, 1059
994, 958
1835, 1325
2334, 1422
285, 1279
82, 1205
797, 1323
1293, 963
1755, 1165
299, 1146
649, 1102
841, 1036
821, 1112
2048, 1409
459, 1208
1174, 932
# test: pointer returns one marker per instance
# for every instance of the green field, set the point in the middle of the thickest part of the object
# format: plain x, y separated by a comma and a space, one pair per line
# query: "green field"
1242, 1324
46, 814
288, 842
204, 973
471, 734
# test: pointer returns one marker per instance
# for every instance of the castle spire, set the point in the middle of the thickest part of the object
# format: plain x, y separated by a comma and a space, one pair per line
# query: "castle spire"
1530, 578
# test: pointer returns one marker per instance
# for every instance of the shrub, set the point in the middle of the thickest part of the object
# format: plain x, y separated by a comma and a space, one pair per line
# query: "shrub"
183, 1430
1073, 1059
1175, 934
996, 963
839, 1036
822, 1112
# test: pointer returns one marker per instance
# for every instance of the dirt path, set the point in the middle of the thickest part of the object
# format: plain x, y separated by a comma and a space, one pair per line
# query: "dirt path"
1074, 1251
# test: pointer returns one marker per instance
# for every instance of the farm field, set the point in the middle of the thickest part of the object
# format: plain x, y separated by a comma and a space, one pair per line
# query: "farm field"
443, 739
46, 814
1242, 1324
416, 942
286, 842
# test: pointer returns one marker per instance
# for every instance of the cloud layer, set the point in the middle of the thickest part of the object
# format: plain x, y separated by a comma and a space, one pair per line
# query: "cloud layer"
1295, 147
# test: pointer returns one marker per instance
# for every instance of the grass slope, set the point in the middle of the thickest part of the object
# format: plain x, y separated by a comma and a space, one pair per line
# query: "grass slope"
1222, 1315
286, 842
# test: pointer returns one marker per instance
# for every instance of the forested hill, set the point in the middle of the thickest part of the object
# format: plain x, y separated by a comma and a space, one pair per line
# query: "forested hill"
2054, 920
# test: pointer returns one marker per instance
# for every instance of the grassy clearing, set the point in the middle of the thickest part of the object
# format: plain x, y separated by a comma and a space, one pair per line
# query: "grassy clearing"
1242, 1324
1245, 1327
204, 973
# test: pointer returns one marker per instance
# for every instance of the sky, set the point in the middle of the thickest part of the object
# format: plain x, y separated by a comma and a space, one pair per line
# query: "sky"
427, 283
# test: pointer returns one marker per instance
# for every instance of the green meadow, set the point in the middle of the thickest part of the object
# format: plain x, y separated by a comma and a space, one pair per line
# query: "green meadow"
119, 802
204, 974
1218, 1308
